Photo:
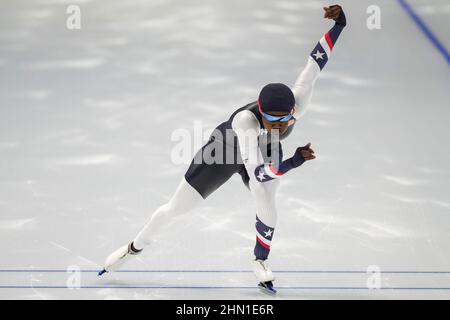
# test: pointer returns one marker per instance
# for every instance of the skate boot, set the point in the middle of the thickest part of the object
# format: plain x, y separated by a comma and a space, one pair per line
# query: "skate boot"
119, 257
265, 277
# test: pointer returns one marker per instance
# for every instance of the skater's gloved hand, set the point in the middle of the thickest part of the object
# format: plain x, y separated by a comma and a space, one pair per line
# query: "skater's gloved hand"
303, 154
336, 13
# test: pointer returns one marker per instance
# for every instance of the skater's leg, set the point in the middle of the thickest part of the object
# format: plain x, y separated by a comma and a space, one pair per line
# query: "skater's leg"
184, 199
198, 183
266, 218
266, 211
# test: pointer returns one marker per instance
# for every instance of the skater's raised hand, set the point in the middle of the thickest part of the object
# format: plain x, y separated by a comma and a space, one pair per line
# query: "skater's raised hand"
336, 13
303, 154
306, 152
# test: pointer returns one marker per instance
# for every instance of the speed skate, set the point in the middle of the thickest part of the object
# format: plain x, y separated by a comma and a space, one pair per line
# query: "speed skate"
116, 259
265, 277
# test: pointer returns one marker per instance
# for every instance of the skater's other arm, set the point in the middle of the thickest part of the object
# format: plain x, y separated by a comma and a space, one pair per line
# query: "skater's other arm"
317, 60
247, 129
268, 171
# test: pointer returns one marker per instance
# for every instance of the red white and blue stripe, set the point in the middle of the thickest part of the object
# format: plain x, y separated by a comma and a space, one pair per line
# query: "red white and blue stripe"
264, 235
322, 51
269, 171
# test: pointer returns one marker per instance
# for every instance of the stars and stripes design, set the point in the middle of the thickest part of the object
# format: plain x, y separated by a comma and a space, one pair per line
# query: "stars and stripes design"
319, 55
264, 236
267, 172
322, 51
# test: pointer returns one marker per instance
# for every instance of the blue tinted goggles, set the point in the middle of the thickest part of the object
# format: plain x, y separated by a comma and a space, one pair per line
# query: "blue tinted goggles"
271, 118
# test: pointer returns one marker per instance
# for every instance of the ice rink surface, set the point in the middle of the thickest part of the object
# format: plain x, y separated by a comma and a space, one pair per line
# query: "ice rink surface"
86, 118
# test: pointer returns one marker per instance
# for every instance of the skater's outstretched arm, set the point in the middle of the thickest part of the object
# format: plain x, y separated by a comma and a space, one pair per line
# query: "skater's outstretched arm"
318, 58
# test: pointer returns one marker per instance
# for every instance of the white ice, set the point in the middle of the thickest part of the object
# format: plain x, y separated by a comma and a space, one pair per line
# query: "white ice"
85, 123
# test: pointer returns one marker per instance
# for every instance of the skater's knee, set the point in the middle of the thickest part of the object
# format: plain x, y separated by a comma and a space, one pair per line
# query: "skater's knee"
179, 207
171, 208
259, 187
162, 212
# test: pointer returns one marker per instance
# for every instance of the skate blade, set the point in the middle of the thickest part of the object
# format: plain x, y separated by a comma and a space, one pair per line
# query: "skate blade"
267, 288
102, 272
